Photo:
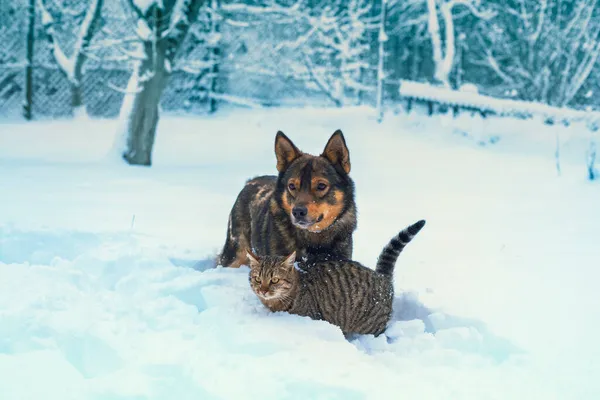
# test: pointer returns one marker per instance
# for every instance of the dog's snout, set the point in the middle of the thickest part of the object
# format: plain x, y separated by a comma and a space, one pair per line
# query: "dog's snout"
299, 212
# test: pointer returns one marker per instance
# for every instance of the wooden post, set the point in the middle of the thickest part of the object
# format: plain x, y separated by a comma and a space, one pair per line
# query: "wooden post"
28, 103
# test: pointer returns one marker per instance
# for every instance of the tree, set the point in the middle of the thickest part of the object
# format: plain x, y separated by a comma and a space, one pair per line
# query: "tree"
336, 50
200, 56
540, 50
444, 47
324, 45
72, 66
161, 27
408, 53
381, 39
214, 54
28, 103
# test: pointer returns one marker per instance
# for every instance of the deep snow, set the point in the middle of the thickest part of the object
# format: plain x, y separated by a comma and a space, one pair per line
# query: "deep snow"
496, 296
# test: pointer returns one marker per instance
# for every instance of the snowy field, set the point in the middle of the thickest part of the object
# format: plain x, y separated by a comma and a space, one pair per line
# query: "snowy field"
497, 296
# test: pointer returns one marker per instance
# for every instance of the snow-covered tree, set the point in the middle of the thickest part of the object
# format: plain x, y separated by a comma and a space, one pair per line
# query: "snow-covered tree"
407, 47
322, 45
337, 50
213, 43
161, 26
443, 43
28, 101
72, 65
201, 58
381, 74
541, 50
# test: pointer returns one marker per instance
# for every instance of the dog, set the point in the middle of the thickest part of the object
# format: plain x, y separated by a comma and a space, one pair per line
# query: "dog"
309, 207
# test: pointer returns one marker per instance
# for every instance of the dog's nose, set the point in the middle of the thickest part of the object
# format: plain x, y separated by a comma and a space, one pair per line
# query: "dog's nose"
299, 212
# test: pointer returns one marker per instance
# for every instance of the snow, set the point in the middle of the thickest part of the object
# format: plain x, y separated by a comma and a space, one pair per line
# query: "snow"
143, 30
496, 296
68, 64
124, 120
144, 5
468, 88
80, 113
46, 16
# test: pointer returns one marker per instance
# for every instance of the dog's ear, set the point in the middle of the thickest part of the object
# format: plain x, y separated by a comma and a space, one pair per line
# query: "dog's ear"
337, 152
290, 260
285, 151
252, 258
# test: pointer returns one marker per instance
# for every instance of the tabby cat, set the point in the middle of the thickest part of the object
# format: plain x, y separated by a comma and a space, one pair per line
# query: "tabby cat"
344, 293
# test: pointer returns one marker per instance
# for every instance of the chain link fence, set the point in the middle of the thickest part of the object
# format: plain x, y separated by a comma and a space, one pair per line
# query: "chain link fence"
252, 68
13, 31
106, 71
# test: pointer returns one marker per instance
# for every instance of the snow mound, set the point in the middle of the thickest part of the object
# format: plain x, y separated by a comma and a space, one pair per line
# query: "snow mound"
105, 317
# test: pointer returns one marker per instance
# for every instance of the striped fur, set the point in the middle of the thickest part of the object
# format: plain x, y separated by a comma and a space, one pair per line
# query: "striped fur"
344, 293
387, 259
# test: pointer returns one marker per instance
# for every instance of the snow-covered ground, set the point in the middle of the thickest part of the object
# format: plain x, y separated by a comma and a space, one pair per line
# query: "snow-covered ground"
497, 296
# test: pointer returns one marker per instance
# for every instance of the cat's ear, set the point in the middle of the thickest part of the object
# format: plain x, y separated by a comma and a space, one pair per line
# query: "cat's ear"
252, 258
290, 260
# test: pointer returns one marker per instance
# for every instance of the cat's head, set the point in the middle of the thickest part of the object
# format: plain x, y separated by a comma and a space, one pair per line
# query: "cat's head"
272, 277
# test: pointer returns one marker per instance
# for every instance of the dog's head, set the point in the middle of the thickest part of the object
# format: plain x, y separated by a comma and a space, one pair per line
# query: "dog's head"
314, 190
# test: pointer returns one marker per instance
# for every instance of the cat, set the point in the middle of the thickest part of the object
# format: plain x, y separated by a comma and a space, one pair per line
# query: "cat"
342, 292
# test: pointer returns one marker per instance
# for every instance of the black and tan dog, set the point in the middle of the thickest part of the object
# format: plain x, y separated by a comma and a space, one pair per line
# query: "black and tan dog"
309, 207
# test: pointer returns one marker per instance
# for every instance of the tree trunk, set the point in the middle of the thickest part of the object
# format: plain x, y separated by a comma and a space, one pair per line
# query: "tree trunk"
76, 95
592, 161
143, 117
433, 26
215, 57
382, 38
89, 27
28, 103
139, 111
77, 100
444, 68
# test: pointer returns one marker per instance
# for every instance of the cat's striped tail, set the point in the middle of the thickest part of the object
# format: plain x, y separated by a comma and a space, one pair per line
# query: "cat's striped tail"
387, 259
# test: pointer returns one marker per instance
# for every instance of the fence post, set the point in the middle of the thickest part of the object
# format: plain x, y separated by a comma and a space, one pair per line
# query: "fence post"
28, 103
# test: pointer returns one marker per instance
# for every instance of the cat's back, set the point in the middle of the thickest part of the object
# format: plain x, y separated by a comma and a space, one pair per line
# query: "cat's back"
347, 294
350, 271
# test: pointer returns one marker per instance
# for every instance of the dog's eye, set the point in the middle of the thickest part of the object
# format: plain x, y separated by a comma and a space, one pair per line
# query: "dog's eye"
274, 280
291, 186
321, 186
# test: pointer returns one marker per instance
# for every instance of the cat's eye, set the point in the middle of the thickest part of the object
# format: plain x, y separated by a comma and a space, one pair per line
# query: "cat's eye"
257, 279
274, 280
